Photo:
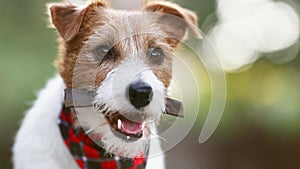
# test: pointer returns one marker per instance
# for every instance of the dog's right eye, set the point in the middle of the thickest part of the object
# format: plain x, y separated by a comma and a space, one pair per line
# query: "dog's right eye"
156, 55
103, 52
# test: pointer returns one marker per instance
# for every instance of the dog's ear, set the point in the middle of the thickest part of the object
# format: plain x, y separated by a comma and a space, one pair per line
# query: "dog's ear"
177, 19
67, 18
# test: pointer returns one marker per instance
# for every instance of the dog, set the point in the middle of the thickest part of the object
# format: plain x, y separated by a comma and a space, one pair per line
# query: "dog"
124, 58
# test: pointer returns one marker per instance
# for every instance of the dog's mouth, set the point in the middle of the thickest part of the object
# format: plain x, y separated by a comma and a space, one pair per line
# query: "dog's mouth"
125, 127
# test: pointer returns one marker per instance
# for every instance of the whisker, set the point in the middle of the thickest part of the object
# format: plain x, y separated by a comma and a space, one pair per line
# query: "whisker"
160, 137
96, 127
89, 131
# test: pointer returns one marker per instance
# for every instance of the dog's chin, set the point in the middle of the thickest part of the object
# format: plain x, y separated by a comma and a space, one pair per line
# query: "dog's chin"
129, 140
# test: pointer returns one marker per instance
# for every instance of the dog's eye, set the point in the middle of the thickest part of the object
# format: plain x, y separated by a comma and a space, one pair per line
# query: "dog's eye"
103, 52
156, 55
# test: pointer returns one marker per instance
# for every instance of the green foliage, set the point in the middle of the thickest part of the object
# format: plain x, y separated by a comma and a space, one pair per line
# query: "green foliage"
27, 49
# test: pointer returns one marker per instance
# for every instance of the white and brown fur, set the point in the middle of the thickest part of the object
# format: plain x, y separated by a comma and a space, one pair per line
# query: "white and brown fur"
38, 143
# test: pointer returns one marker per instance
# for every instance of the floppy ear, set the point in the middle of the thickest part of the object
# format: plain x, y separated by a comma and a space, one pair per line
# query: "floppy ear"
67, 19
174, 26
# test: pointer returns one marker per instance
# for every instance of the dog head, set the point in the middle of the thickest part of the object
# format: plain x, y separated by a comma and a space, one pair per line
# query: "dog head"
126, 57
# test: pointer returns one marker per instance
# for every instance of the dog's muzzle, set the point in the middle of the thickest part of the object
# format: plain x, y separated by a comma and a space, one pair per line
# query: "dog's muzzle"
131, 126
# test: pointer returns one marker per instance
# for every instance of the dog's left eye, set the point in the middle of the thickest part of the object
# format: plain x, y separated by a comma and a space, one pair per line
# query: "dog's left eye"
156, 55
103, 52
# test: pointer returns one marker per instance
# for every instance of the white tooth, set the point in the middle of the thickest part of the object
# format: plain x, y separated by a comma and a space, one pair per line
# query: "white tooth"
119, 124
128, 137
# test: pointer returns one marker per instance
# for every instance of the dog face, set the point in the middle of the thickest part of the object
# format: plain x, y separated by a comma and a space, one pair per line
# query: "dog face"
126, 56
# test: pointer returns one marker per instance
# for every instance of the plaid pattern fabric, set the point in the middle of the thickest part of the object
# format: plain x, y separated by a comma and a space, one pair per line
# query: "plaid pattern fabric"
86, 153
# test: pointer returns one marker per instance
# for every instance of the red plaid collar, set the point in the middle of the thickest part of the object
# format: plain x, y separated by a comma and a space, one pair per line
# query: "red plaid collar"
86, 153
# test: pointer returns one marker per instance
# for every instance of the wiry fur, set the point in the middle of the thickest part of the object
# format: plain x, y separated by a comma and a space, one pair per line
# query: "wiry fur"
112, 94
131, 34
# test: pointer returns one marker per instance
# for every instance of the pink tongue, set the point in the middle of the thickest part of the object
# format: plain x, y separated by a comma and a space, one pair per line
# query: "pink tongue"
131, 127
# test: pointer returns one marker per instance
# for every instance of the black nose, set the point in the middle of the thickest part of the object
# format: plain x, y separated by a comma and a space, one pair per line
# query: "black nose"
140, 94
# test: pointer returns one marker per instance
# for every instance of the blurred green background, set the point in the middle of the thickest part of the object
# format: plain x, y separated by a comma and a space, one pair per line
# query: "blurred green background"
261, 124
